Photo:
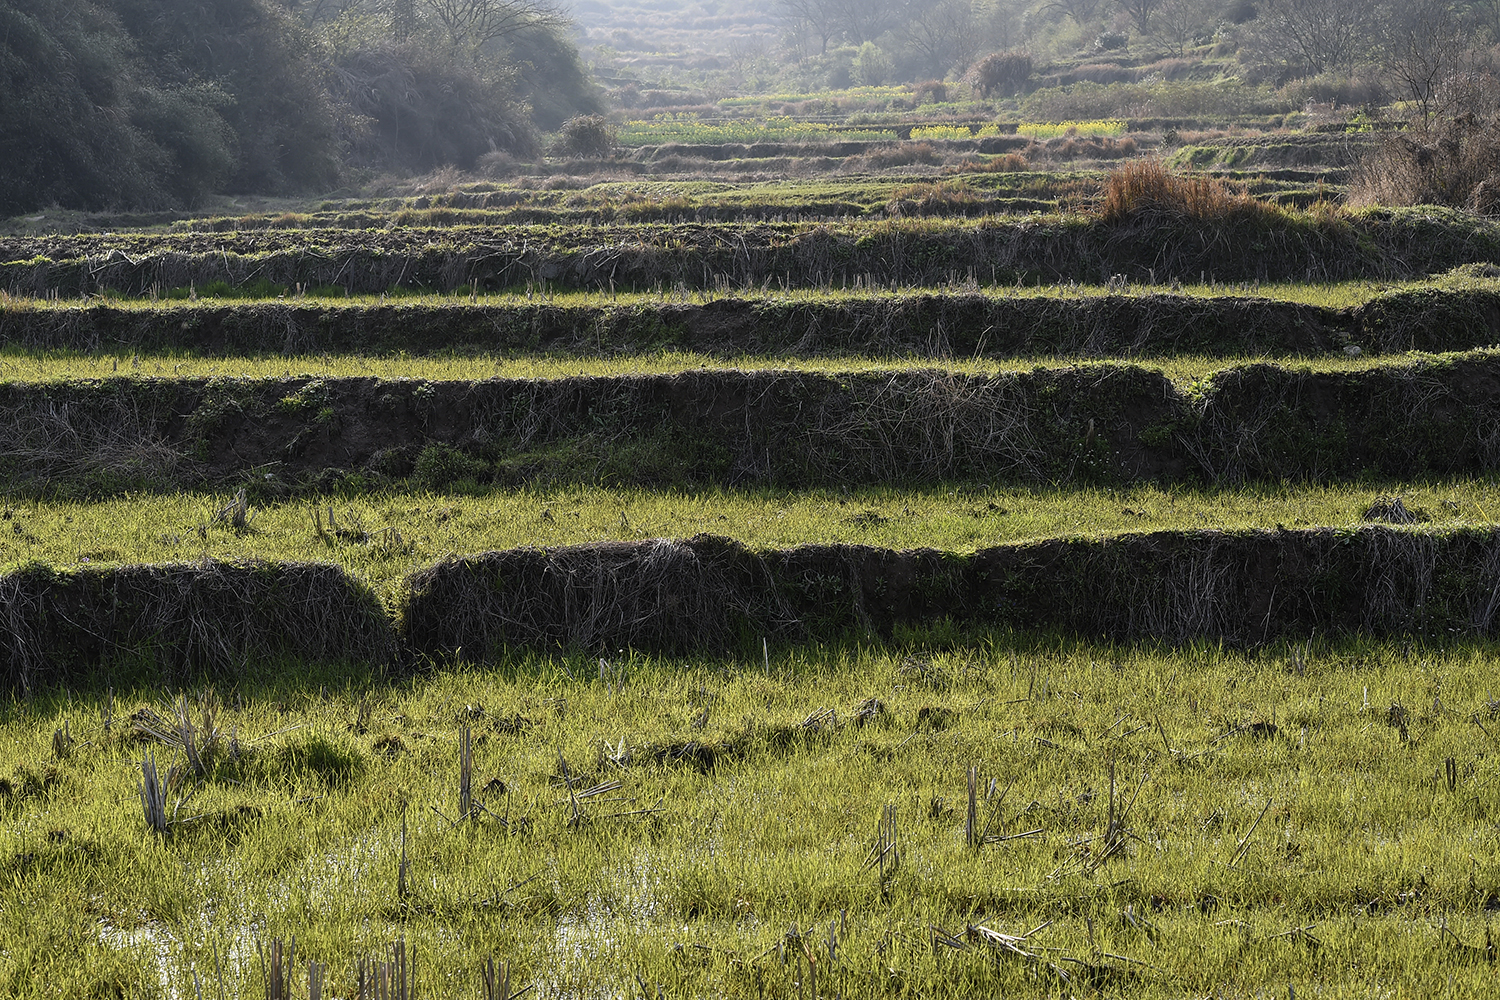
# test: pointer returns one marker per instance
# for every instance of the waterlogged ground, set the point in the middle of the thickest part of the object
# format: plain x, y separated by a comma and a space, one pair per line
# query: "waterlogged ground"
381, 538
1150, 823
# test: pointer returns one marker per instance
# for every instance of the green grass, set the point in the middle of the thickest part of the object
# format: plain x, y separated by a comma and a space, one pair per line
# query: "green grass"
1282, 820
779, 128
174, 528
19, 367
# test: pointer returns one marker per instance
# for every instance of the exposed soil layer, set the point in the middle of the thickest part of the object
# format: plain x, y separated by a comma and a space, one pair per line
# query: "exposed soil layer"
1147, 246
184, 622
1240, 588
948, 325
1107, 423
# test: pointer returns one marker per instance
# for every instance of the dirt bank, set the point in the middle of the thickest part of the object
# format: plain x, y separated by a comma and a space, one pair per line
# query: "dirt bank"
1104, 423
175, 624
906, 325
1241, 588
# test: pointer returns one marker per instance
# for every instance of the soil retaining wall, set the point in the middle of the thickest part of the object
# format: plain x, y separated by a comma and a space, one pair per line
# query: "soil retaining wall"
711, 594
1241, 588
1104, 423
184, 622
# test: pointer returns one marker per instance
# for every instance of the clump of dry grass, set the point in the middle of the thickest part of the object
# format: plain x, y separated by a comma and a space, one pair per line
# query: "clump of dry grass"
1145, 186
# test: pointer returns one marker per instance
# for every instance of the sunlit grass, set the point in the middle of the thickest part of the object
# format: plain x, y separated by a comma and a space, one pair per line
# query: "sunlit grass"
689, 128
1332, 295
1319, 819
64, 367
408, 530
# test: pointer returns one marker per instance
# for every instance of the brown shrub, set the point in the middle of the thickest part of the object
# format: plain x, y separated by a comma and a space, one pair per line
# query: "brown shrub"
930, 92
1004, 73
1146, 186
1452, 161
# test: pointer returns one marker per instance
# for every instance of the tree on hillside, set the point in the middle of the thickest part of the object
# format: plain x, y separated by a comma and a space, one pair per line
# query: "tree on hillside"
943, 34
1181, 24
1317, 35
822, 19
1081, 11
1140, 13
470, 27
1424, 45
86, 124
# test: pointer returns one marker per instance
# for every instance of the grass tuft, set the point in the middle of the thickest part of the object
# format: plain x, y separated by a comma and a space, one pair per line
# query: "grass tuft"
1145, 186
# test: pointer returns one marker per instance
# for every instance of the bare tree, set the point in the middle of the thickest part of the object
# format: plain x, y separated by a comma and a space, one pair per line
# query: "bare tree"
866, 20
944, 33
1424, 46
469, 26
1179, 24
1140, 13
1005, 24
1319, 35
1081, 11
820, 18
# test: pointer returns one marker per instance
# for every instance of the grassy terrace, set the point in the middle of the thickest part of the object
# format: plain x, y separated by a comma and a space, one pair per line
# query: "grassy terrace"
881, 771
387, 536
1226, 243
1003, 816
16, 366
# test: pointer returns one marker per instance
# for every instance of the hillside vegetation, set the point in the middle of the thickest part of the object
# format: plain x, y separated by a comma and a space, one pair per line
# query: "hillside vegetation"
152, 103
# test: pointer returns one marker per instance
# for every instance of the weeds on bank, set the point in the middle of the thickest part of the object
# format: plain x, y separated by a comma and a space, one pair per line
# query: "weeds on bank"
969, 815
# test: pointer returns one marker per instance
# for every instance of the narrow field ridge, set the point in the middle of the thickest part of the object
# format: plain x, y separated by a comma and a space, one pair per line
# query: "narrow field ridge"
1105, 423
224, 620
1150, 321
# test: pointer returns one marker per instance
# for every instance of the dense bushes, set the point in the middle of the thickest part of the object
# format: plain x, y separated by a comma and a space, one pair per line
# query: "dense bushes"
82, 123
418, 112
157, 103
257, 54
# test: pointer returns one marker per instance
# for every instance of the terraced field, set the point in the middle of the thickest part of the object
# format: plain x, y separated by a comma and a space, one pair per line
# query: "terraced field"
1096, 601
